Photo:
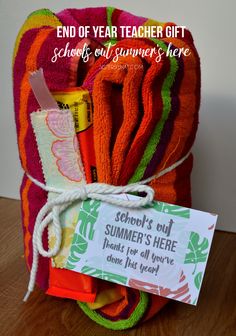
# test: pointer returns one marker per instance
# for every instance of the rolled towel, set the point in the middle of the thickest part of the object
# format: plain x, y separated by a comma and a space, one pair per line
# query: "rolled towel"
144, 108
34, 49
165, 139
162, 127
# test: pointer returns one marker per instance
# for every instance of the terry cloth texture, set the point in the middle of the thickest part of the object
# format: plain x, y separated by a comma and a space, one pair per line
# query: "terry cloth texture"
32, 51
145, 119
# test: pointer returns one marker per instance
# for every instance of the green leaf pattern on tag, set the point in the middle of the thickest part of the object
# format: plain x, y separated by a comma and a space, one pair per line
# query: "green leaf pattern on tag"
120, 279
78, 247
198, 280
190, 230
196, 249
87, 218
171, 209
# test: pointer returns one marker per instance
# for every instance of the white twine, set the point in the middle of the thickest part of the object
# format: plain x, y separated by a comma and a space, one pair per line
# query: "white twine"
50, 212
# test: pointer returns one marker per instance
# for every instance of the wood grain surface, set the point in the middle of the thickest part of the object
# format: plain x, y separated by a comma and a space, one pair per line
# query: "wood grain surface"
215, 314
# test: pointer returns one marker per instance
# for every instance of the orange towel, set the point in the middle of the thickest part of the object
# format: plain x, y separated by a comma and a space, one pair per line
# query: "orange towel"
144, 120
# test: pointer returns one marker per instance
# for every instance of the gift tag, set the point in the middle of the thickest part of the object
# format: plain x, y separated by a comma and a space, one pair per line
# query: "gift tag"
161, 248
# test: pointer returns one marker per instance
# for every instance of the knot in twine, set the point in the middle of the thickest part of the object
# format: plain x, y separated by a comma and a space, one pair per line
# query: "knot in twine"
51, 211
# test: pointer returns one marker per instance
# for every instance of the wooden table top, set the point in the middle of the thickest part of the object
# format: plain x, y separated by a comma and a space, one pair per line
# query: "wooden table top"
215, 314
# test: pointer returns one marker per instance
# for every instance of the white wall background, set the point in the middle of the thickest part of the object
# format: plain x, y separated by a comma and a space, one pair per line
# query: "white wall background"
212, 25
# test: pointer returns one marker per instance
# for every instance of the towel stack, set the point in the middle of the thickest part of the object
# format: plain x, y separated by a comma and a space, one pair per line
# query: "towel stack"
145, 117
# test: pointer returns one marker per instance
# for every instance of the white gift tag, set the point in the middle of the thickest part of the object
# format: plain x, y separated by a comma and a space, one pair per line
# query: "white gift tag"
161, 249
